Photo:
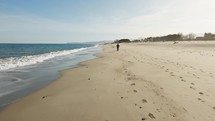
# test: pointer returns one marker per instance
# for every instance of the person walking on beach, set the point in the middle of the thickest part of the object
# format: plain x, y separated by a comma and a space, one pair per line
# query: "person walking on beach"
117, 46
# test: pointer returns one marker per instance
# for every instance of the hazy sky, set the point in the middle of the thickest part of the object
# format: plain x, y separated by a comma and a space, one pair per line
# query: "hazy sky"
59, 21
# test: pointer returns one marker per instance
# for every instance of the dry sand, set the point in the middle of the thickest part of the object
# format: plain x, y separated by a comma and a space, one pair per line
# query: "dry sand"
143, 81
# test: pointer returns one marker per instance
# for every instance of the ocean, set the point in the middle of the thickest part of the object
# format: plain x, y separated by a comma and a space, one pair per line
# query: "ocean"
25, 68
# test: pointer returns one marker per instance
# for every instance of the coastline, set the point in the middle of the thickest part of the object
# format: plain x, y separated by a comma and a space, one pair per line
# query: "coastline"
137, 83
22, 81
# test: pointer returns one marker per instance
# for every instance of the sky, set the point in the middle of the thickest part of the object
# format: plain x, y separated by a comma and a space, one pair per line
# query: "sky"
62, 21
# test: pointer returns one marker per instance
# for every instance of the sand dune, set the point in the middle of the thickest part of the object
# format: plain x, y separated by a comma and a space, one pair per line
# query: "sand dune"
159, 81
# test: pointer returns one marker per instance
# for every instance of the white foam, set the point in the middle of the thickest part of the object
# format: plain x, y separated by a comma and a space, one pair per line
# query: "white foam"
13, 62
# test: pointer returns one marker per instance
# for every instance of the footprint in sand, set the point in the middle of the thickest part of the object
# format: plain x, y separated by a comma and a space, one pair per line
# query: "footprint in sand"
196, 76
135, 91
201, 100
201, 70
144, 100
143, 119
192, 83
158, 110
183, 80
130, 61
173, 115
192, 88
44, 96
132, 84
211, 75
172, 74
201, 93
129, 78
162, 67
151, 116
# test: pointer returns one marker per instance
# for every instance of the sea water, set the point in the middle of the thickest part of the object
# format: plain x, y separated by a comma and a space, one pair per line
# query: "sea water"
25, 68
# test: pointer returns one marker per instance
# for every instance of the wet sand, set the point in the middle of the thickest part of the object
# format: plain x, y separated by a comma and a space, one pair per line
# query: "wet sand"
163, 81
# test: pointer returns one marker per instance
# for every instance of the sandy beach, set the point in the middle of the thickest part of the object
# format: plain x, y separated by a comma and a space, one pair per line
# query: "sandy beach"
162, 81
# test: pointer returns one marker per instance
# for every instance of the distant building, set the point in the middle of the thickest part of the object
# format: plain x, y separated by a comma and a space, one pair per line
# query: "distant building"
199, 38
209, 36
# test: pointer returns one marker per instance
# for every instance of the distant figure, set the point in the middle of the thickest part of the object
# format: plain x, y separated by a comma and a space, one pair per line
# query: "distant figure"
117, 46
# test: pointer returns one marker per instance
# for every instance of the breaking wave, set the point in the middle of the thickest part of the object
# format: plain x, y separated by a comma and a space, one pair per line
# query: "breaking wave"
13, 62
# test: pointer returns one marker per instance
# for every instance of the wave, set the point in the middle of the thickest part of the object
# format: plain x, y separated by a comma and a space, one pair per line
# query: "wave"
14, 62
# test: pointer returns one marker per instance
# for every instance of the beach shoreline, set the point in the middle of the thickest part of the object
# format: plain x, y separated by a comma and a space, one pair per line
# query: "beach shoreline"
21, 81
160, 81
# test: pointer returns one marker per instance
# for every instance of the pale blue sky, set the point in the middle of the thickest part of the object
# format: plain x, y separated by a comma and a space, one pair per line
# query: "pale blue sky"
59, 21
